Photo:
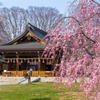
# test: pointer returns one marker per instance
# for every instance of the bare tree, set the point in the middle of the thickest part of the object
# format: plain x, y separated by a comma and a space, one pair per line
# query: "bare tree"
43, 17
15, 19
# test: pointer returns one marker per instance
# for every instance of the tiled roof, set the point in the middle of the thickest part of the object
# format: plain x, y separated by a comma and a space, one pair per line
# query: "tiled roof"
39, 33
25, 46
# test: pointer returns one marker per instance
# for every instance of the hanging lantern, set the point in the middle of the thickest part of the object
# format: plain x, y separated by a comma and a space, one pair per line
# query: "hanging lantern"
8, 61
13, 61
35, 61
32, 60
17, 60
43, 61
24, 59
49, 61
21, 60
28, 61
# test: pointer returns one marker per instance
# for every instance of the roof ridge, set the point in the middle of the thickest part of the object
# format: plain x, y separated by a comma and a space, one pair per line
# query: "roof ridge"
34, 27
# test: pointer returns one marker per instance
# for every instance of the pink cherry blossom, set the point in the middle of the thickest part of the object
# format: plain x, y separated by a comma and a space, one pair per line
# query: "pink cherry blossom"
75, 46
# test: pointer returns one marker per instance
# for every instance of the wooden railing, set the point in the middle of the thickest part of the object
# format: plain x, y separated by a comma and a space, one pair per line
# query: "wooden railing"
35, 73
23, 73
45, 73
29, 60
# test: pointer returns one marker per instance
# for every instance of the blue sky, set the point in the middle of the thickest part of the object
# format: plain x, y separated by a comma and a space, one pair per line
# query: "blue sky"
61, 5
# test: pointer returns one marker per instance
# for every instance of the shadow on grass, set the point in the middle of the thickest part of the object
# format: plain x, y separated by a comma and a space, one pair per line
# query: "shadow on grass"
40, 99
33, 84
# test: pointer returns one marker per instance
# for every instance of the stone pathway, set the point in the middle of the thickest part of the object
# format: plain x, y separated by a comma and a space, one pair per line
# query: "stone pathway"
6, 83
16, 80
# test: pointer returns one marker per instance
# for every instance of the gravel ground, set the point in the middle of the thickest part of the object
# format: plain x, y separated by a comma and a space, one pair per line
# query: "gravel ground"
6, 83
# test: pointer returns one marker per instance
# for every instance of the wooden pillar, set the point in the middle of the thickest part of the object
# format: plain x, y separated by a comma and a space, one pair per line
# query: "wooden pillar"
7, 64
17, 64
39, 65
1, 69
3, 56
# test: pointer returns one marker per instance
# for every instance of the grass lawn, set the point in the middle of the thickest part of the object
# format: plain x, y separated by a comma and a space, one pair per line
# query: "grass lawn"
40, 91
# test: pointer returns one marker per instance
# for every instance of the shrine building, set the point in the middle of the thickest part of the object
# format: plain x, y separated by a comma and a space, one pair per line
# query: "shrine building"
24, 53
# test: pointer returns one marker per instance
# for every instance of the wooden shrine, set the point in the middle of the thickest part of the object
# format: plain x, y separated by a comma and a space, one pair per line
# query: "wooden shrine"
24, 53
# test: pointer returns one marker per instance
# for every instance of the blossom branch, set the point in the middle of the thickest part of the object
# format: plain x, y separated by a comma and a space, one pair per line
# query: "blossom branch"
80, 27
96, 2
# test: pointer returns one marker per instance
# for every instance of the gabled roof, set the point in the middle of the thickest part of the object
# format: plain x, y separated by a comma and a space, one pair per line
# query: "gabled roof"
23, 41
38, 33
